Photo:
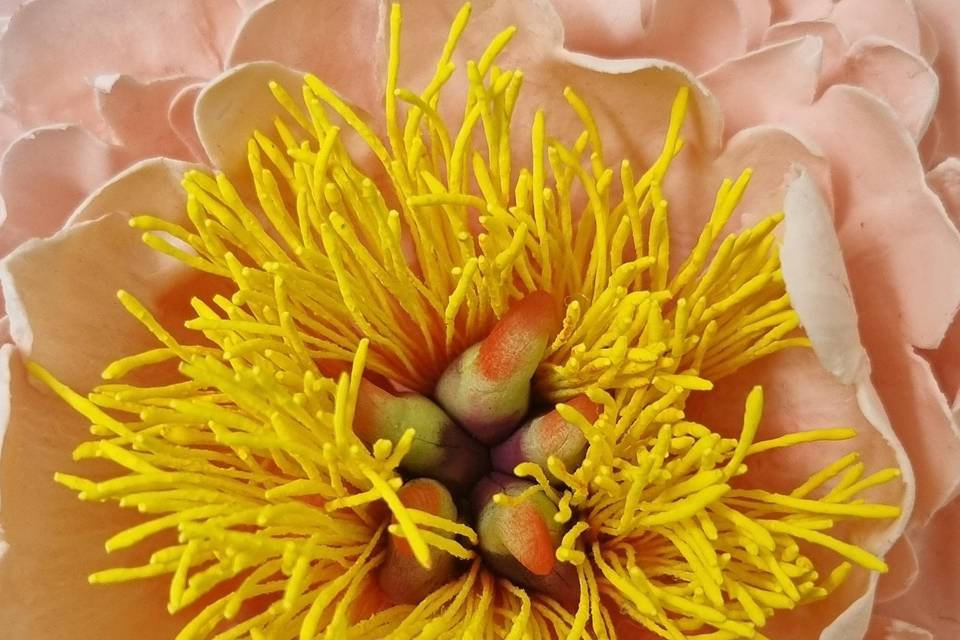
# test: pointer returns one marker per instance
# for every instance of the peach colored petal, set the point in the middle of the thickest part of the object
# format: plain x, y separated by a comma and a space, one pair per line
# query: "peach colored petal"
765, 86
795, 10
903, 79
834, 44
145, 39
39, 193
79, 270
932, 602
9, 130
884, 628
944, 179
821, 296
54, 540
234, 105
894, 20
330, 38
942, 16
892, 227
180, 118
603, 29
697, 35
929, 42
136, 113
904, 569
754, 19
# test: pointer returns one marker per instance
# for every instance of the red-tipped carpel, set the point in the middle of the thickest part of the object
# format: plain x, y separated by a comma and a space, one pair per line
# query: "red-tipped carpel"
487, 389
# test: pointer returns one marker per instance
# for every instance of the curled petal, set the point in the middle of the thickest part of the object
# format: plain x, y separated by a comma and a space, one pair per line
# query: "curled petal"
894, 20
136, 113
78, 272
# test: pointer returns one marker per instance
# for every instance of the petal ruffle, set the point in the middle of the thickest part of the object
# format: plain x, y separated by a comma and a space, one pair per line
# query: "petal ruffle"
137, 114
608, 29
942, 16
45, 174
329, 38
47, 78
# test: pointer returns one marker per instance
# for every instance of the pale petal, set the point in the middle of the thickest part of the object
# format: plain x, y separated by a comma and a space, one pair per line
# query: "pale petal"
884, 628
834, 44
47, 77
932, 602
54, 539
329, 38
903, 79
609, 29
794, 10
945, 181
78, 272
236, 104
45, 174
817, 282
180, 117
894, 20
137, 113
754, 19
942, 16
766, 86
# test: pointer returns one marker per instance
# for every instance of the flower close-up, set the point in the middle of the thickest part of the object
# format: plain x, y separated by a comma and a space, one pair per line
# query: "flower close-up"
359, 319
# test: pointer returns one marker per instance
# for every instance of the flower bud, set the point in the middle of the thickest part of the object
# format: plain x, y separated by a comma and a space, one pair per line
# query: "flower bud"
545, 436
487, 389
440, 449
519, 541
402, 578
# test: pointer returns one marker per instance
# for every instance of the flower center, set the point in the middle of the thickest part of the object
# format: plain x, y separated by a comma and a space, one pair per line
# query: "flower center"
326, 436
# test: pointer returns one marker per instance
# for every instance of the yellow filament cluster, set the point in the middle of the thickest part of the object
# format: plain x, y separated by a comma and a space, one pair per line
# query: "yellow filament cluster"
246, 463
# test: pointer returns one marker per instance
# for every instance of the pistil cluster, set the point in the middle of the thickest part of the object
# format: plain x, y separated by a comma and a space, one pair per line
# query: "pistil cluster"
447, 398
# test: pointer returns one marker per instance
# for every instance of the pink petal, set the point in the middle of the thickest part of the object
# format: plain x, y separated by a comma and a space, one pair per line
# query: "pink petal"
892, 227
904, 569
754, 19
54, 539
766, 86
894, 20
697, 35
903, 79
945, 181
47, 77
834, 44
79, 270
9, 130
932, 602
883, 628
180, 117
942, 16
136, 113
329, 38
40, 193
794, 10
603, 29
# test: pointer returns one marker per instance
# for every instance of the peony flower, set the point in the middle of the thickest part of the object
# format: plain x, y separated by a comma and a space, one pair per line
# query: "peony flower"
354, 250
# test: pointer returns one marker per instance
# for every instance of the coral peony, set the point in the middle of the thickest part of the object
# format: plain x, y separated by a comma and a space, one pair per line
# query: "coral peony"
387, 242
